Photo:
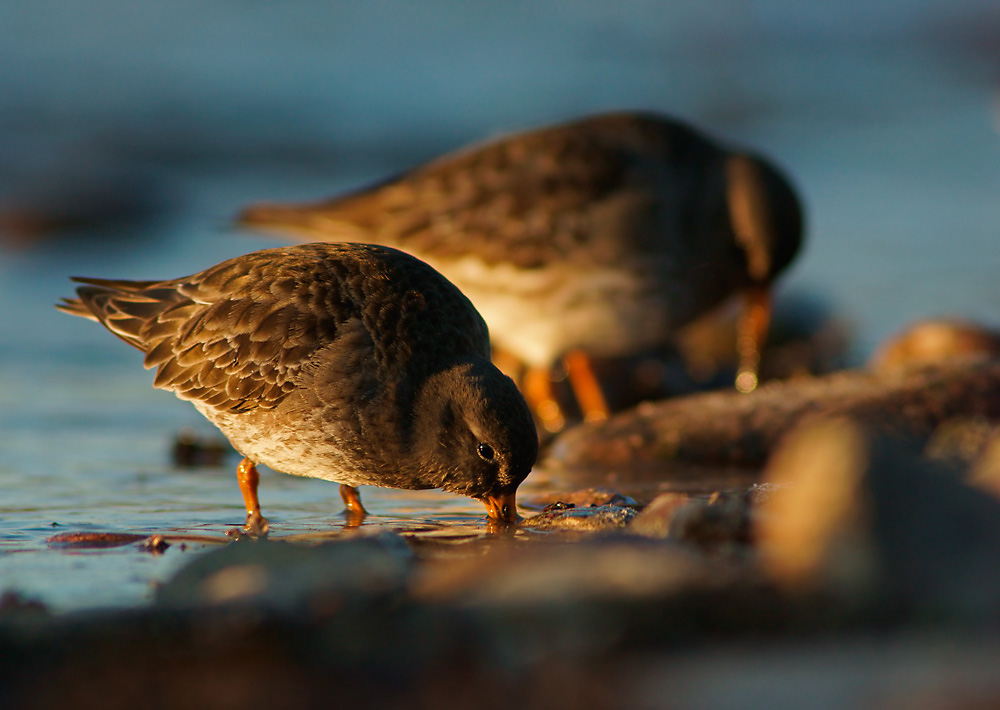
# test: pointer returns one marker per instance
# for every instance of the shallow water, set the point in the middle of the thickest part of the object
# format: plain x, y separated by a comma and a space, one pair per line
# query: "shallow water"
885, 116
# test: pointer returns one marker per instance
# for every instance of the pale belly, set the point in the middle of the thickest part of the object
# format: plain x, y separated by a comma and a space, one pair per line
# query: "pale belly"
309, 448
540, 315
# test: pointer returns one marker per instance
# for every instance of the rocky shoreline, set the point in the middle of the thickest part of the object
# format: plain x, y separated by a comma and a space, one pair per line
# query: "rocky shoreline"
868, 528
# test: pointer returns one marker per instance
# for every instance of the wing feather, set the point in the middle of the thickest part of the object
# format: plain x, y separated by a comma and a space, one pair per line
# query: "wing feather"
237, 336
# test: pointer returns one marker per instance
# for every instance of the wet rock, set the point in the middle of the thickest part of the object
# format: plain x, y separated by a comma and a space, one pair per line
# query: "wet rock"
285, 575
581, 498
192, 449
929, 342
656, 518
723, 519
728, 430
720, 520
80, 194
94, 540
866, 515
78, 540
591, 519
558, 505
155, 544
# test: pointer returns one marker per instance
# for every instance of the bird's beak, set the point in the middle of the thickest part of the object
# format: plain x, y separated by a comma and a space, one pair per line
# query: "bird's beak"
502, 508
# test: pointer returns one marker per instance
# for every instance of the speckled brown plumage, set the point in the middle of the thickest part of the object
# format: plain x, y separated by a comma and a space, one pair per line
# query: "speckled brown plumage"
350, 362
603, 235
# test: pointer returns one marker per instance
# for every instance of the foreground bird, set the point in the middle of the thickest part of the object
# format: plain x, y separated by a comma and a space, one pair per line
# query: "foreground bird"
599, 237
350, 362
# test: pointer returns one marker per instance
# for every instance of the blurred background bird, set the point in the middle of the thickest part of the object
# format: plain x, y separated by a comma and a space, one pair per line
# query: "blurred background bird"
592, 239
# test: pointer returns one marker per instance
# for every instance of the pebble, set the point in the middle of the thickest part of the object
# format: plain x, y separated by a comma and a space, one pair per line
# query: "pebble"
933, 341
866, 515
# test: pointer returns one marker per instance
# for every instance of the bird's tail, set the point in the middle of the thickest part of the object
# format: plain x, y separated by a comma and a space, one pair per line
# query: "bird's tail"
120, 306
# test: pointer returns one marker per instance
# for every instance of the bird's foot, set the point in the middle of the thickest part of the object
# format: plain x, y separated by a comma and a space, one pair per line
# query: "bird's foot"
354, 511
255, 528
750, 336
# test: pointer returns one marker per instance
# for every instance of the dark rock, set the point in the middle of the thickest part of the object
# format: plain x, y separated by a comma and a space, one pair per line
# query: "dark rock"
546, 620
155, 544
554, 574
81, 195
285, 575
15, 604
728, 430
887, 671
191, 449
94, 540
581, 498
963, 439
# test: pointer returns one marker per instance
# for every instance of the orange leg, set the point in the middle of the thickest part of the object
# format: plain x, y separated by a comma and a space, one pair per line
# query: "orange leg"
751, 334
248, 478
352, 502
585, 386
542, 399
536, 385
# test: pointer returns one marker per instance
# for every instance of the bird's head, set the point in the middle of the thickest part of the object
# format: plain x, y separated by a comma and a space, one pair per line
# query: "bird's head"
475, 436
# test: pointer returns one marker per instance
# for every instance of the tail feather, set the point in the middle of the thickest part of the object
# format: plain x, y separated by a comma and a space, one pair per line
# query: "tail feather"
76, 307
327, 221
351, 216
122, 285
123, 307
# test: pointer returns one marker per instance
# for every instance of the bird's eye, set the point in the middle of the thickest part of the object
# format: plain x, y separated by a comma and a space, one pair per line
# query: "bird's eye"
486, 452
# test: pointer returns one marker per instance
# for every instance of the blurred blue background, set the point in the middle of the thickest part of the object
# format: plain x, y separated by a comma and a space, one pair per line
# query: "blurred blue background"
885, 113
132, 132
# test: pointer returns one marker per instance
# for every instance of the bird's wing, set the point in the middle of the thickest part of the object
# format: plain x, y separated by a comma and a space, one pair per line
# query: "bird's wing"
525, 199
232, 337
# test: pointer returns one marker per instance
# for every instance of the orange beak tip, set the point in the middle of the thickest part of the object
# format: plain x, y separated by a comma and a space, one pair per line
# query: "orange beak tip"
502, 508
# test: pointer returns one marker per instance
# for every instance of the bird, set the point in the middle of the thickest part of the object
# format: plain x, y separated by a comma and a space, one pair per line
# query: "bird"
353, 363
599, 237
